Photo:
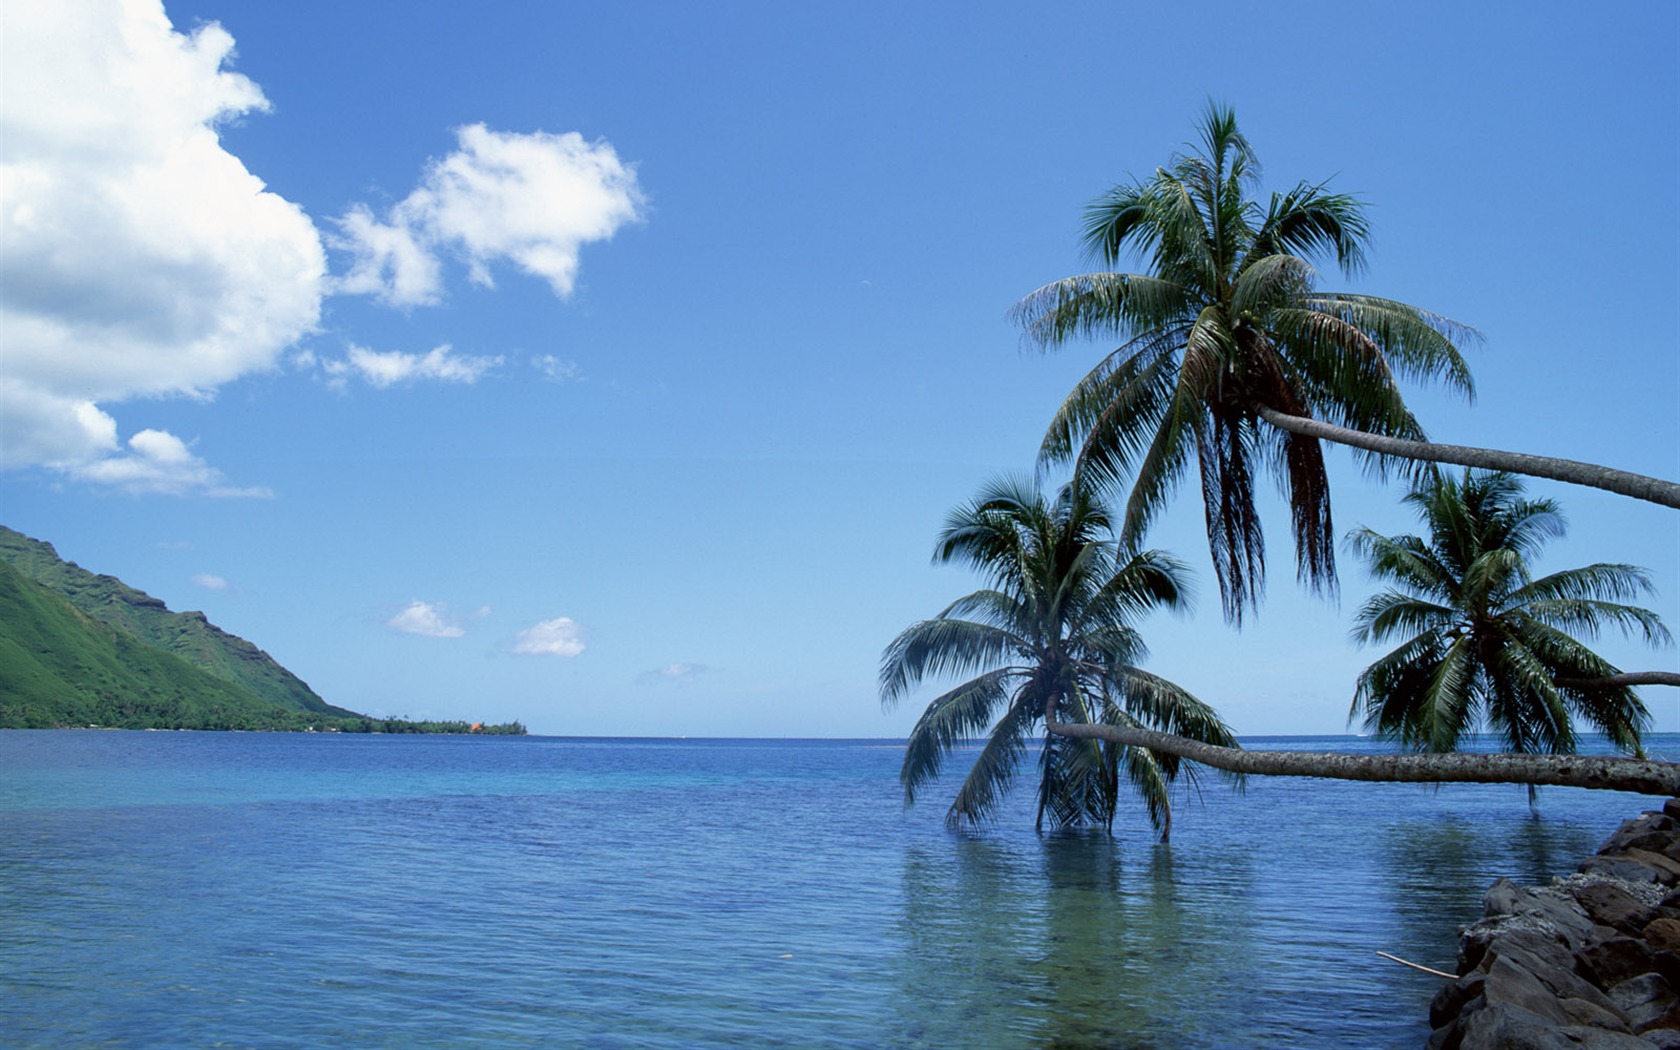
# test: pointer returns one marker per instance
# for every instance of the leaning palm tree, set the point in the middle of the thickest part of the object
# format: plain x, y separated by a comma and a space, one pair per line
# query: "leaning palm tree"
1233, 359
1485, 645
1049, 640
1482, 643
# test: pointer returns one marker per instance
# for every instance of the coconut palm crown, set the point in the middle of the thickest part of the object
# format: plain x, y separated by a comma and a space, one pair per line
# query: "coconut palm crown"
1049, 638
1228, 324
1482, 642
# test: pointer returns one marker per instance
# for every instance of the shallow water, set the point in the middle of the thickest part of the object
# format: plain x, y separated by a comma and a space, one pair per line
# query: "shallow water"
284, 890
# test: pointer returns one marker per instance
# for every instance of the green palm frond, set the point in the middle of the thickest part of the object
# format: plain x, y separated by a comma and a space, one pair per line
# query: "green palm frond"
1414, 342
1406, 561
1228, 303
950, 719
1052, 635
1136, 382
1091, 305
988, 780
936, 648
1310, 220
1486, 644
1169, 708
1390, 614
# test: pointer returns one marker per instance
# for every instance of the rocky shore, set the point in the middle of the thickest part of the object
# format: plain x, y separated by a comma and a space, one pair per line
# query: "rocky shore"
1591, 961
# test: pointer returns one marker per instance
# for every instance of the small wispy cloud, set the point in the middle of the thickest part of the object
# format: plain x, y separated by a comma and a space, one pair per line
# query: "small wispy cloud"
209, 581
561, 636
557, 369
680, 674
426, 619
381, 369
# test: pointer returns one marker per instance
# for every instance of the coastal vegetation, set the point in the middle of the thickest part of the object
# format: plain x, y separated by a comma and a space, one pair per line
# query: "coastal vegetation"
80, 650
1049, 637
1231, 358
138, 616
1482, 641
1231, 355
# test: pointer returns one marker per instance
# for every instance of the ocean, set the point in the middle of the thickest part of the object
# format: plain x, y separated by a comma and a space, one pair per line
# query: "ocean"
298, 890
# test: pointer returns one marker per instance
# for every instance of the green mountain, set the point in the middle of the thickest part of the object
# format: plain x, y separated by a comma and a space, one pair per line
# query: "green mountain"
60, 667
140, 618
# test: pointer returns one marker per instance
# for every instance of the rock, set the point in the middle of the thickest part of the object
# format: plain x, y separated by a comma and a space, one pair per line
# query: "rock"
1507, 1027
1609, 963
1552, 910
1667, 964
1663, 935
1592, 961
1610, 903
1453, 997
1530, 946
1642, 827
1555, 970
1475, 940
1512, 984
1592, 1015
1645, 1000
1622, 866
1667, 866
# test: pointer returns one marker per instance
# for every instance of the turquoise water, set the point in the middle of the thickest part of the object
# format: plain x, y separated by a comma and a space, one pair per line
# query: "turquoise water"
283, 890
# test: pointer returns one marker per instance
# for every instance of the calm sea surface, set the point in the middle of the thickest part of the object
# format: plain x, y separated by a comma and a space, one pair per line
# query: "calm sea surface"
284, 890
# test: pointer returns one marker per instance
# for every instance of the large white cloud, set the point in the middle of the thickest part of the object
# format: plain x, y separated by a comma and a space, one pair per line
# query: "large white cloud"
532, 199
141, 258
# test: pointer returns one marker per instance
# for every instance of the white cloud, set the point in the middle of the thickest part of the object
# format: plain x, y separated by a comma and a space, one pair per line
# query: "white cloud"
557, 370
388, 368
159, 462
561, 636
141, 257
209, 581
677, 673
532, 199
426, 619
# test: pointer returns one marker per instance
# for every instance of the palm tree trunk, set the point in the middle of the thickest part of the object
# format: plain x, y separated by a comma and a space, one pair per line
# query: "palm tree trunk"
1627, 678
1622, 482
1607, 773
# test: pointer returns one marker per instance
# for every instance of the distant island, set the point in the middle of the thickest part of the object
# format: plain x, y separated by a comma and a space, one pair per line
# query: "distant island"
83, 650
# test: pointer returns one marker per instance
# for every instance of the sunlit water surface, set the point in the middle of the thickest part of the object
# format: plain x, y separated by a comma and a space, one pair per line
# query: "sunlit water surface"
282, 890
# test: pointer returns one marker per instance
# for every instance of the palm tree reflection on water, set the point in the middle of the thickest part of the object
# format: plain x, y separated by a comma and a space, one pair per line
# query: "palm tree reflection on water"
1068, 941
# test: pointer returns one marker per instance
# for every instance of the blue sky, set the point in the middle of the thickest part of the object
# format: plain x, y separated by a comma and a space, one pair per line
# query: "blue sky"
612, 366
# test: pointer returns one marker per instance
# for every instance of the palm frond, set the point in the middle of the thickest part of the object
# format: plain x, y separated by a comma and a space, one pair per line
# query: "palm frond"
1492, 644
950, 719
1099, 304
936, 648
994, 768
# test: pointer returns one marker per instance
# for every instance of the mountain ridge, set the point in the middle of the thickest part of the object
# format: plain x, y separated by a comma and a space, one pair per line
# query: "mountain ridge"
188, 636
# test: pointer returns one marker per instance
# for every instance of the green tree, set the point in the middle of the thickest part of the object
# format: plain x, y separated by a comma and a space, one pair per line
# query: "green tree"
1049, 639
1482, 643
1232, 358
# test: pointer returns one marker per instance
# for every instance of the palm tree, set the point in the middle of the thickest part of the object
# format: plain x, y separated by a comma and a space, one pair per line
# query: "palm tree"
1484, 643
1232, 357
1048, 639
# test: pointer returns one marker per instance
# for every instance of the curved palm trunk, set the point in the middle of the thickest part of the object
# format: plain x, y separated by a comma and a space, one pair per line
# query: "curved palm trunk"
1622, 482
1627, 678
1643, 776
